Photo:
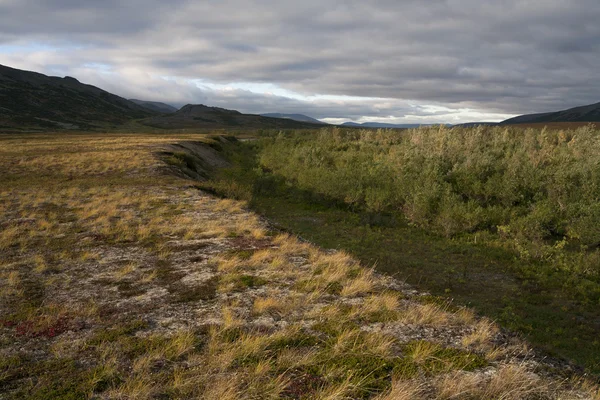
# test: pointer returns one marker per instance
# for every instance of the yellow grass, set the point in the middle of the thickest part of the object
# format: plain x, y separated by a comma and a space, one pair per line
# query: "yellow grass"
404, 390
482, 335
425, 314
274, 305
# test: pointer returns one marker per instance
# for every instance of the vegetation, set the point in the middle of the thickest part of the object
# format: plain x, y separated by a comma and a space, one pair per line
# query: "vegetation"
120, 280
502, 218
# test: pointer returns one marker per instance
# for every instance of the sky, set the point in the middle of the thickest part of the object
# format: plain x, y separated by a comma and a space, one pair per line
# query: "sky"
397, 61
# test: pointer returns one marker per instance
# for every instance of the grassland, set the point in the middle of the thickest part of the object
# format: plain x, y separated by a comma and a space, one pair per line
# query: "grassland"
119, 279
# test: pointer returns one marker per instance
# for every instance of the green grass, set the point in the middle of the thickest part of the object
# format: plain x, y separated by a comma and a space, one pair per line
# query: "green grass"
238, 282
554, 307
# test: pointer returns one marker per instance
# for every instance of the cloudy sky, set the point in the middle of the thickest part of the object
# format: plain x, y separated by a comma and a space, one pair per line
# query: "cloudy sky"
401, 61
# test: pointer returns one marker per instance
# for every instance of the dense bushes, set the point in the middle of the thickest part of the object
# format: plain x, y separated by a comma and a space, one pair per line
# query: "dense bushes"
535, 191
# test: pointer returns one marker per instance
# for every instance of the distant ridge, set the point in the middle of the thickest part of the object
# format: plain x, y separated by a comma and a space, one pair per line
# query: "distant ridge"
471, 124
30, 100
589, 113
384, 125
200, 116
155, 106
295, 117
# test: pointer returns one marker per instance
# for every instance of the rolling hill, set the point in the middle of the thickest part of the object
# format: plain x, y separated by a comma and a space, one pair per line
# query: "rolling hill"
200, 116
589, 113
295, 117
29, 100
381, 125
155, 106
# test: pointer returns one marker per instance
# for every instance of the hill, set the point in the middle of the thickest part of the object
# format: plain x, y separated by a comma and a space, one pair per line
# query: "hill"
155, 106
32, 100
381, 125
589, 113
472, 124
200, 116
295, 117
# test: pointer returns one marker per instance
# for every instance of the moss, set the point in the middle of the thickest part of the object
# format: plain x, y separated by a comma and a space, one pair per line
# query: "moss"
241, 254
61, 379
334, 288
130, 289
369, 373
114, 334
11, 369
204, 291
333, 328
443, 359
229, 335
241, 282
299, 339
380, 316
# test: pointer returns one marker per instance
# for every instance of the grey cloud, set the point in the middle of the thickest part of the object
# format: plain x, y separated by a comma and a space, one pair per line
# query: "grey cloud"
506, 56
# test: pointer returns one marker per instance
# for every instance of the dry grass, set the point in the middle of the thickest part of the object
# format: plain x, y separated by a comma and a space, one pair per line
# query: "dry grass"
229, 205
425, 314
127, 283
514, 382
482, 335
229, 264
276, 304
509, 382
363, 284
379, 307
291, 245
404, 390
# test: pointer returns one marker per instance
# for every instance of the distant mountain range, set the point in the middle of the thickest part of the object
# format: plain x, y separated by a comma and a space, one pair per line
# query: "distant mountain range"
194, 116
29, 100
295, 117
563, 119
589, 113
155, 106
383, 125
471, 124
33, 101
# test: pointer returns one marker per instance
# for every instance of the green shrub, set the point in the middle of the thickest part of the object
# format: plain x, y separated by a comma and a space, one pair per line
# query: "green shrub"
531, 188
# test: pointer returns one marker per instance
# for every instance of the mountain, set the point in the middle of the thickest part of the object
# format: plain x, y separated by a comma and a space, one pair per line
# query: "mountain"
199, 116
589, 113
472, 124
29, 100
295, 117
155, 106
383, 125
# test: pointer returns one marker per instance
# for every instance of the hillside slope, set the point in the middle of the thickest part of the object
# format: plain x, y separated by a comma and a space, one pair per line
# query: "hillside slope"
200, 116
381, 125
155, 106
295, 117
32, 100
589, 113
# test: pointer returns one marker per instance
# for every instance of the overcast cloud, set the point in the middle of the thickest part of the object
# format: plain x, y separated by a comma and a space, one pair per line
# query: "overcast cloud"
397, 61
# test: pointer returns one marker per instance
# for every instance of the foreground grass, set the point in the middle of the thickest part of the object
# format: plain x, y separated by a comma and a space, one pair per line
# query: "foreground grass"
118, 279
